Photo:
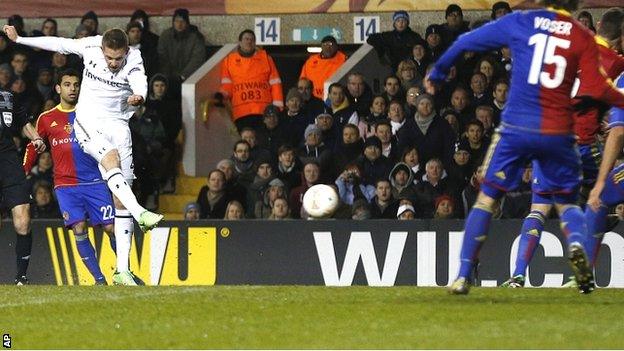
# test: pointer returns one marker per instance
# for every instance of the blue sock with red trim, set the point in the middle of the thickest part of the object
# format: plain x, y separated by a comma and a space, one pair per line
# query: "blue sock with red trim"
529, 239
87, 253
596, 227
574, 226
477, 226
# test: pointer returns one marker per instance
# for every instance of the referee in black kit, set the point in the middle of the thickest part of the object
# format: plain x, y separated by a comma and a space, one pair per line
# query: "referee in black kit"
13, 185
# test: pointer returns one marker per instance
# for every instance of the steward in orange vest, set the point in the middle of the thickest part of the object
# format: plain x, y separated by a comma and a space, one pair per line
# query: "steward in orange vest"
319, 67
250, 79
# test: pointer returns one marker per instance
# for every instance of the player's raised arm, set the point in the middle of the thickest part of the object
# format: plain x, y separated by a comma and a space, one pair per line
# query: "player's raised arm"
612, 148
137, 79
62, 45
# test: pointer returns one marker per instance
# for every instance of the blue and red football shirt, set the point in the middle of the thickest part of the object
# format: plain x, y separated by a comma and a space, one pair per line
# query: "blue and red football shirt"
587, 113
71, 165
549, 49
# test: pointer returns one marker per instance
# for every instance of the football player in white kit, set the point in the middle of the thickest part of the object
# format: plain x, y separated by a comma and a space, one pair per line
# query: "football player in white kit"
113, 86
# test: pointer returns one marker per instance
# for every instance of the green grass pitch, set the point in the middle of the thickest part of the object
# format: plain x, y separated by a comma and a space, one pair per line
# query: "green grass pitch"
307, 317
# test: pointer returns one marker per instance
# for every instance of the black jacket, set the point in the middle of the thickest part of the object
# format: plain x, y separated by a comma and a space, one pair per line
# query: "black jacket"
394, 46
437, 143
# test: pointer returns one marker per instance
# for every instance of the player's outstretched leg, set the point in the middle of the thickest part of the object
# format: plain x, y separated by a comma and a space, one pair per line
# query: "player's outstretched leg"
87, 253
574, 227
477, 225
529, 239
122, 191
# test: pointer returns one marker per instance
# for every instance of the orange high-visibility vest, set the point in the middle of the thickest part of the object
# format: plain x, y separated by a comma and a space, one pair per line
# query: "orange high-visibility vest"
318, 70
251, 83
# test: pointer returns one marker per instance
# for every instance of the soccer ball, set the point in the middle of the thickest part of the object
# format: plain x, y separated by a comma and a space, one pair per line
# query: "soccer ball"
320, 201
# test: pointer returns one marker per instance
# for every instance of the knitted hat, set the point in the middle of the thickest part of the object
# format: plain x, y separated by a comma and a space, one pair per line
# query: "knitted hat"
294, 93
462, 146
330, 39
182, 13
441, 198
453, 8
270, 110
400, 14
422, 97
276, 182
372, 141
432, 29
404, 208
190, 206
501, 5
90, 15
312, 128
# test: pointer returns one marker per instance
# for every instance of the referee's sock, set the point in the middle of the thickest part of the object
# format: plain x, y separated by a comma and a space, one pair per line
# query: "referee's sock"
120, 188
529, 238
87, 253
23, 247
124, 226
477, 226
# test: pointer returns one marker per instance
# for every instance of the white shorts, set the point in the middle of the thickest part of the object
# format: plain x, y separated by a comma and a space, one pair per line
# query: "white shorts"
108, 135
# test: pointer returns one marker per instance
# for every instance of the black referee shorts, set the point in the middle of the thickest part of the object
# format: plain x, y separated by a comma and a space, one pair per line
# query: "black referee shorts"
15, 189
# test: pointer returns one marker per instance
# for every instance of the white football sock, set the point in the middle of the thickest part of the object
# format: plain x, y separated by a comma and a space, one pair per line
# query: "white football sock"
124, 226
120, 188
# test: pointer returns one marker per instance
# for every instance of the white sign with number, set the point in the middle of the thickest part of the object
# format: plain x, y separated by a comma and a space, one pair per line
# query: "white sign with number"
363, 26
267, 30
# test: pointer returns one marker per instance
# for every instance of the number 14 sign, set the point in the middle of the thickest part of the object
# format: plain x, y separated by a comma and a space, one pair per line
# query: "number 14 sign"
363, 26
267, 30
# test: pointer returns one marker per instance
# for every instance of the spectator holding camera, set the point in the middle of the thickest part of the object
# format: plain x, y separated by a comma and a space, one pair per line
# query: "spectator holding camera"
350, 187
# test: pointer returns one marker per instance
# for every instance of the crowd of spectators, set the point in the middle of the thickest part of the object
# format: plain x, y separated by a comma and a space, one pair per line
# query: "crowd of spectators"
400, 154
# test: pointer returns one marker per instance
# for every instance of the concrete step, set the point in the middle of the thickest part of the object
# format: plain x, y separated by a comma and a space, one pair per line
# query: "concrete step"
174, 203
189, 185
174, 216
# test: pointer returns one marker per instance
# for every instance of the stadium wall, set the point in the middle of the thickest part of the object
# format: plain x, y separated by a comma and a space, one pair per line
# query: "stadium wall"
222, 29
332, 253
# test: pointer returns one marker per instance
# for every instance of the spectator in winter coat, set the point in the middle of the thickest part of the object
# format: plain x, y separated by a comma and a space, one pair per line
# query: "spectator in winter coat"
377, 112
432, 136
212, 198
264, 206
349, 149
296, 118
396, 116
350, 187
383, 205
396, 45
393, 90
389, 147
402, 180
455, 24
435, 183
359, 94
181, 49
288, 168
310, 176
273, 132
315, 150
264, 175
373, 164
311, 105
420, 57
233, 188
